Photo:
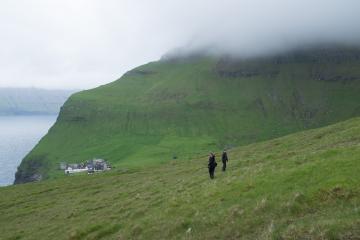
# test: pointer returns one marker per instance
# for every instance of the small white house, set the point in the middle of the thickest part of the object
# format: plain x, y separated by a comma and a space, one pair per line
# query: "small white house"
70, 170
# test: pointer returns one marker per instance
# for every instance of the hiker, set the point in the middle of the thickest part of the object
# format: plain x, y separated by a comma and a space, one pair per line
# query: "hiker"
224, 159
212, 165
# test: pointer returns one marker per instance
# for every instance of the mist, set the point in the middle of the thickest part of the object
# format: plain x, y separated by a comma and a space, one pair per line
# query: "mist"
86, 43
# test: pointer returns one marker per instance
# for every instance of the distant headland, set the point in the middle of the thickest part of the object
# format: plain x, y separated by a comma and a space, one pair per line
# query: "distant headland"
32, 101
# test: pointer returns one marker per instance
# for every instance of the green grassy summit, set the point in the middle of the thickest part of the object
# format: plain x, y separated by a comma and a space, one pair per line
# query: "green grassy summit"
180, 108
301, 186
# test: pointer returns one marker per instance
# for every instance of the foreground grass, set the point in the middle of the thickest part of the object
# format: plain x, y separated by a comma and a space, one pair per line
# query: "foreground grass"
302, 186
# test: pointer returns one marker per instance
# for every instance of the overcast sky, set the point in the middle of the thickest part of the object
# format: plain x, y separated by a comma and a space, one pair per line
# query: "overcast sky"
86, 43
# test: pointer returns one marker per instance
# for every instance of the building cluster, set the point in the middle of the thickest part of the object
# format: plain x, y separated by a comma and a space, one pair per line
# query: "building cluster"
90, 166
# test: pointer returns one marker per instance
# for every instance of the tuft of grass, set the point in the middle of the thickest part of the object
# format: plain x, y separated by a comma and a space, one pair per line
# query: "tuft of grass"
83, 233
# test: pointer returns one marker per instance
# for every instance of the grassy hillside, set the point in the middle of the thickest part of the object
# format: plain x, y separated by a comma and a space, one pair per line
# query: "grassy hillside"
301, 186
179, 108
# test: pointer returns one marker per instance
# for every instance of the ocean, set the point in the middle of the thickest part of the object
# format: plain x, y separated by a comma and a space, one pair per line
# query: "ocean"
18, 135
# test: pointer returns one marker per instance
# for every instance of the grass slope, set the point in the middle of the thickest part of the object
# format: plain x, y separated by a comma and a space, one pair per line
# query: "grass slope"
177, 108
301, 186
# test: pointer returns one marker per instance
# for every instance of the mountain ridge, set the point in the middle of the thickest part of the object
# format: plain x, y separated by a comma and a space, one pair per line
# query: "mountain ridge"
180, 108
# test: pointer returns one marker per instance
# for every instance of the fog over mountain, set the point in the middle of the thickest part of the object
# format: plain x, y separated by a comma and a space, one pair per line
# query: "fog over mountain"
84, 43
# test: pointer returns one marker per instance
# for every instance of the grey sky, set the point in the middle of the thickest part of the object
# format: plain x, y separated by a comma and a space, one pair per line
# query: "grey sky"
85, 43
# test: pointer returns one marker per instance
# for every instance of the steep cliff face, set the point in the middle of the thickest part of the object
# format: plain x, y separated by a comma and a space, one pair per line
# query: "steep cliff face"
31, 101
179, 108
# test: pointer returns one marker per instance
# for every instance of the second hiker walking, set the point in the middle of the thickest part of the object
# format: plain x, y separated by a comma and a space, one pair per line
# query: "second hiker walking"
224, 159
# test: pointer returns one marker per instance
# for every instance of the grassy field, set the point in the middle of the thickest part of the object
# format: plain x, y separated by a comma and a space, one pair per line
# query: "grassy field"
301, 186
180, 108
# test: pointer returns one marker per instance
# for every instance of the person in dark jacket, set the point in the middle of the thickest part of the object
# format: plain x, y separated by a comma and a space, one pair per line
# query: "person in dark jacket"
224, 159
212, 165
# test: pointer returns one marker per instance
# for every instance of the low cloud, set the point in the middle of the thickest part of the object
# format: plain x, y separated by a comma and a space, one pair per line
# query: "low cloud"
85, 43
250, 28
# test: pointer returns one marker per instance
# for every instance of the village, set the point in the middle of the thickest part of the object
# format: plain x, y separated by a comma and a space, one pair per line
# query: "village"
89, 166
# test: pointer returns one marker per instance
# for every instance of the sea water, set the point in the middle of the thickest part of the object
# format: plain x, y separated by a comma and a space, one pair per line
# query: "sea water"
18, 135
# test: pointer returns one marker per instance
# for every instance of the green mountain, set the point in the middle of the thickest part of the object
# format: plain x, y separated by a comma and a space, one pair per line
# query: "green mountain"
301, 186
180, 108
31, 101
